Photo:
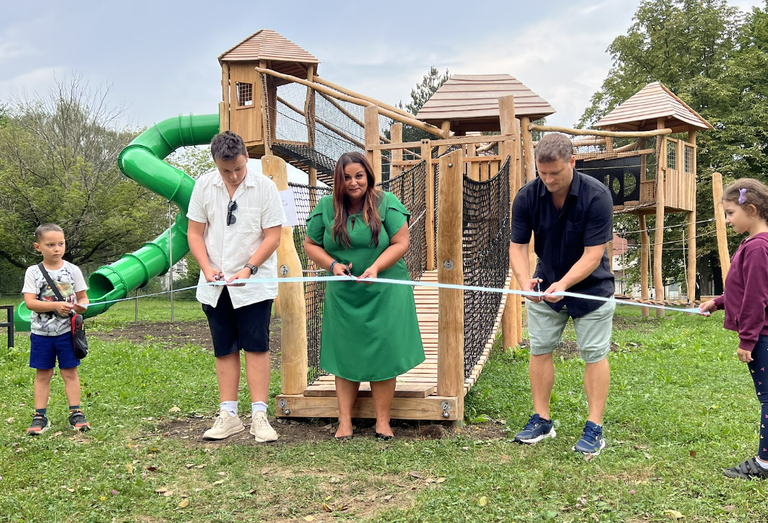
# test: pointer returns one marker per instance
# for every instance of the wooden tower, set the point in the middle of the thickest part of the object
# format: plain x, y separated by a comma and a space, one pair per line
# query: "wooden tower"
245, 102
671, 186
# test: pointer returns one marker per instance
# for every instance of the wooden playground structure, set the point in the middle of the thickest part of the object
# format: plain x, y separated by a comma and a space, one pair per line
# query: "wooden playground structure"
465, 181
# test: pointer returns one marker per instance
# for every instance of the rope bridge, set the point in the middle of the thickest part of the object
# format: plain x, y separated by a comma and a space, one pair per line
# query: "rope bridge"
486, 227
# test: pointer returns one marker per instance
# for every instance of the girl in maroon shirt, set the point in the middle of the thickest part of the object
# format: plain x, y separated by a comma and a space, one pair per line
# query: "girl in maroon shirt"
745, 302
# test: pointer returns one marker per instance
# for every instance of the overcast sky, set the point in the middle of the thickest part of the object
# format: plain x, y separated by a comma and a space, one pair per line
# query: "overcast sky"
161, 56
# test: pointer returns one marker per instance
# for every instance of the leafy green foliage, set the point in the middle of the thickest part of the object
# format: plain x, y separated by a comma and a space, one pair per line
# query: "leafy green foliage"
420, 94
58, 163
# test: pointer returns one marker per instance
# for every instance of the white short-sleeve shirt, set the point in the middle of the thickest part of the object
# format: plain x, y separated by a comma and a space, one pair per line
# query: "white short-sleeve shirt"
69, 281
230, 247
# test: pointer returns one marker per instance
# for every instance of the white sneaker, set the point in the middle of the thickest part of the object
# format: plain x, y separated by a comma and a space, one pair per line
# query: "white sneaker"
224, 426
261, 429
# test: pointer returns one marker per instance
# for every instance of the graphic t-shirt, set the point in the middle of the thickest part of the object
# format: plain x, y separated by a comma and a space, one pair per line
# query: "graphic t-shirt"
69, 280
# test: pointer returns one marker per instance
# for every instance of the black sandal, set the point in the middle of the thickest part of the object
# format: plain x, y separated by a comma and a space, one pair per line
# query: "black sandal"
749, 469
383, 437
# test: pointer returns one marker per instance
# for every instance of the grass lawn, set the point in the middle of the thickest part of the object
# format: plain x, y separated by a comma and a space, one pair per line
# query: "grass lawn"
681, 408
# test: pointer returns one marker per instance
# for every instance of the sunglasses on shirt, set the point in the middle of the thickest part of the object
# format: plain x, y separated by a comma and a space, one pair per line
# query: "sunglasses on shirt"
231, 208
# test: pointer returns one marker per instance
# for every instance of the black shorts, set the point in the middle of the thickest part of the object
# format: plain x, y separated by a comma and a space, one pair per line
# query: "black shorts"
244, 328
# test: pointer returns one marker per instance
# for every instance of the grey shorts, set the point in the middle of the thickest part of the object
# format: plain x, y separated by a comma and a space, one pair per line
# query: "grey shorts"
593, 331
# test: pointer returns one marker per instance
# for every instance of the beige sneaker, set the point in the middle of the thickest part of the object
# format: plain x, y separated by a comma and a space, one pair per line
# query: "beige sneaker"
261, 429
224, 426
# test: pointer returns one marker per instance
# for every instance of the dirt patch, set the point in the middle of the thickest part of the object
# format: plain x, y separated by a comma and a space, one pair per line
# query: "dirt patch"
303, 431
172, 335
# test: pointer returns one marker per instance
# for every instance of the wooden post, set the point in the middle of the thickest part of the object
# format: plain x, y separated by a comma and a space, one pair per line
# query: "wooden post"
512, 308
426, 155
530, 163
722, 235
396, 136
661, 167
264, 89
529, 158
309, 115
225, 106
294, 325
645, 253
692, 226
372, 138
450, 269
445, 127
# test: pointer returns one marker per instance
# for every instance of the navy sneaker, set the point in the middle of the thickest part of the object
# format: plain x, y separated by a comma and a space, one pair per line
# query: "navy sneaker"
536, 430
591, 441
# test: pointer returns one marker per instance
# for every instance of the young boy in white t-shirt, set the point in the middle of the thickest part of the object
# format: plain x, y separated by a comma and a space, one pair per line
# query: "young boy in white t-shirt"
51, 337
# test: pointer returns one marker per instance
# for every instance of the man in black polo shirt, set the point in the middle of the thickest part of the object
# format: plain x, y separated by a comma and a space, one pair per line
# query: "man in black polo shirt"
571, 217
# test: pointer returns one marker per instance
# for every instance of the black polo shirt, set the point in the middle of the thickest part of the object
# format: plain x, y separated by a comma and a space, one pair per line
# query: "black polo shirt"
560, 236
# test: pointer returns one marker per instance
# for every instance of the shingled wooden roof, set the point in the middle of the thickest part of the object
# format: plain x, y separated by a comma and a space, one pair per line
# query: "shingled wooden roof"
281, 54
471, 102
641, 110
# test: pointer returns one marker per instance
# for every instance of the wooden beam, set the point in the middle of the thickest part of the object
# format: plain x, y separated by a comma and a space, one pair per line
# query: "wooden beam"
396, 134
692, 227
598, 132
645, 253
722, 235
413, 122
372, 138
507, 124
658, 247
374, 101
426, 154
450, 267
294, 312
430, 408
456, 140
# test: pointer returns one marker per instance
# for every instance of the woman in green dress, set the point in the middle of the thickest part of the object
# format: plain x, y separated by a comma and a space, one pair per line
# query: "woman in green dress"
370, 330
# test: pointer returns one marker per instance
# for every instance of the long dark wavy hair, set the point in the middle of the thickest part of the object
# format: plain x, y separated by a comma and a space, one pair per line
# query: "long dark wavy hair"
341, 201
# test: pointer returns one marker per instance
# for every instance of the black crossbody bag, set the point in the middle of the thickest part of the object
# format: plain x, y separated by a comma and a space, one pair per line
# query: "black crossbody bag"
79, 342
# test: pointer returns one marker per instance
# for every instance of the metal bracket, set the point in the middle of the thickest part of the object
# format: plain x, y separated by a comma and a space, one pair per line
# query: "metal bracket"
282, 404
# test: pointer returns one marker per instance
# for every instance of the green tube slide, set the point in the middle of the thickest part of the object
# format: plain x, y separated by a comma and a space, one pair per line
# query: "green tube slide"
142, 161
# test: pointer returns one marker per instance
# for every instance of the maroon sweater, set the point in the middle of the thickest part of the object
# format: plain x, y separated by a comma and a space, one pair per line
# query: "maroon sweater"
746, 291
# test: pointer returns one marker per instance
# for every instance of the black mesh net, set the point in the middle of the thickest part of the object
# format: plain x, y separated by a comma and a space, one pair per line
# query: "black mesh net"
410, 189
314, 129
486, 258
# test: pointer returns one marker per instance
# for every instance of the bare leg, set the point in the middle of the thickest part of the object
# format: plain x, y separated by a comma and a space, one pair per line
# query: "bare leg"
257, 375
383, 392
42, 387
228, 376
346, 393
597, 378
71, 385
541, 372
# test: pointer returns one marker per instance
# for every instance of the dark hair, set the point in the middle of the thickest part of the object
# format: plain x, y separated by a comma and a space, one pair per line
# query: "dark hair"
46, 227
341, 201
746, 192
227, 146
552, 147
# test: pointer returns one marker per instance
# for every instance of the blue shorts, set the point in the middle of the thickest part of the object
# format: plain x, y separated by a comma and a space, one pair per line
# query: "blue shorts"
45, 349
244, 328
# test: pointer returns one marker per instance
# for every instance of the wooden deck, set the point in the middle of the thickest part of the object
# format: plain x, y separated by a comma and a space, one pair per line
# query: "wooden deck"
416, 392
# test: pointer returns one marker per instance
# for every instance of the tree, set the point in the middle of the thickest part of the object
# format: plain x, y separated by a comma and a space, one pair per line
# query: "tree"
423, 91
684, 44
58, 163
706, 53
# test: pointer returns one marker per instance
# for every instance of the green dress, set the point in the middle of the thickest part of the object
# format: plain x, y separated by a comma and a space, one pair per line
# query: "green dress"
370, 331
